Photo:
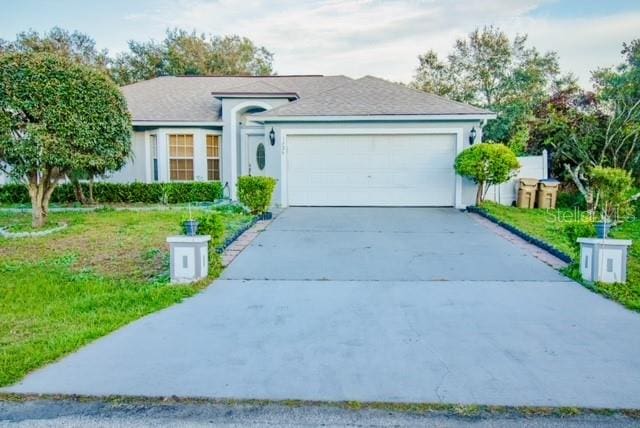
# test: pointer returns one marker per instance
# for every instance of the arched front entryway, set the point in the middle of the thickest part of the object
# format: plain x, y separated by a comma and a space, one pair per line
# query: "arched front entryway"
251, 137
242, 137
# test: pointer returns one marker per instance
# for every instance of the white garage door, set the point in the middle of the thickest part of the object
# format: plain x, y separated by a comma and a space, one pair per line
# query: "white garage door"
360, 170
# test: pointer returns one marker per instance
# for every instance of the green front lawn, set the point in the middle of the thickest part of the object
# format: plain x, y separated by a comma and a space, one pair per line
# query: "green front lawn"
61, 291
556, 228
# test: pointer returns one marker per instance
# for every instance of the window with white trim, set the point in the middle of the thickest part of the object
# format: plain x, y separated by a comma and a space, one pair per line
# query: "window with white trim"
153, 143
181, 157
213, 157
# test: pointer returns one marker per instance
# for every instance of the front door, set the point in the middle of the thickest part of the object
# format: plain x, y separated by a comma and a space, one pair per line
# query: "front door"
254, 151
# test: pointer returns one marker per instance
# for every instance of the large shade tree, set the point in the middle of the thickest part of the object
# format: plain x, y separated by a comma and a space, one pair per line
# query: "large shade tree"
77, 47
189, 53
489, 69
57, 116
587, 130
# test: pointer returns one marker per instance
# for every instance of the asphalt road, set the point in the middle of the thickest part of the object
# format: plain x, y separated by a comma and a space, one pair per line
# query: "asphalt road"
64, 413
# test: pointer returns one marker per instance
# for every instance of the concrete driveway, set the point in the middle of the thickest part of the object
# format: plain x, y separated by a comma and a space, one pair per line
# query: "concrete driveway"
373, 304
384, 244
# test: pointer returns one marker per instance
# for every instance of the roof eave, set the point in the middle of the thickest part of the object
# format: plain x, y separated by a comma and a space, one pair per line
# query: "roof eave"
168, 123
287, 95
382, 117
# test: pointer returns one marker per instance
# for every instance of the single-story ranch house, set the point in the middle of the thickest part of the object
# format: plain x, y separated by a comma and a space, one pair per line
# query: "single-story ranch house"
328, 140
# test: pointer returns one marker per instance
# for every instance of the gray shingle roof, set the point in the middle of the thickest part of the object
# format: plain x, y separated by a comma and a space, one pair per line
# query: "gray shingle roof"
369, 96
256, 86
190, 98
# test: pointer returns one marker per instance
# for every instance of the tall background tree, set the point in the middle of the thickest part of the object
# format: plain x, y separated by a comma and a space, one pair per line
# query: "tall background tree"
490, 70
594, 129
57, 116
76, 46
181, 52
189, 53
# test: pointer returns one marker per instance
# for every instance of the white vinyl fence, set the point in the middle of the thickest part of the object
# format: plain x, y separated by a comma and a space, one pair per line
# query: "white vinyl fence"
530, 167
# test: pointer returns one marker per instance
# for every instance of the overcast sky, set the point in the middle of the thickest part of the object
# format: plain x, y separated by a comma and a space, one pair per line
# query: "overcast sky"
351, 37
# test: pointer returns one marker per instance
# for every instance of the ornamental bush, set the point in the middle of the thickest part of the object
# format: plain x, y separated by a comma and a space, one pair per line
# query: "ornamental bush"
256, 192
58, 116
613, 189
487, 164
578, 229
148, 193
209, 223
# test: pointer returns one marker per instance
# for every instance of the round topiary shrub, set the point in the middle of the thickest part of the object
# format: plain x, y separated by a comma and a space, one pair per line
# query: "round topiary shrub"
487, 164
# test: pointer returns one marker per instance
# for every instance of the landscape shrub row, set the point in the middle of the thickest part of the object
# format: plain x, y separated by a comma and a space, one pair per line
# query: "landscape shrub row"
150, 193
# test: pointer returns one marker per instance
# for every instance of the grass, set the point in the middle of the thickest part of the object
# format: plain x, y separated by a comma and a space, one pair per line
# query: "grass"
551, 226
61, 291
470, 411
547, 225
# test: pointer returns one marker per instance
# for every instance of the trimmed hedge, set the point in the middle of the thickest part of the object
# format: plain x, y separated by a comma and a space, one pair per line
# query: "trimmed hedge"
149, 193
255, 192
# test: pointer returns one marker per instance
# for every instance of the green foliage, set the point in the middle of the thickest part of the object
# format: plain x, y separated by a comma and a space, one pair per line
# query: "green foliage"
76, 46
256, 192
547, 225
571, 125
571, 200
191, 192
189, 53
57, 115
578, 229
585, 129
518, 142
210, 223
151, 193
14, 194
490, 70
486, 164
613, 188
180, 53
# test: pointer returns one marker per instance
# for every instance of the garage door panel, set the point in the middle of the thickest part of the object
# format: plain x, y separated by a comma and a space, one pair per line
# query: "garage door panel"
371, 170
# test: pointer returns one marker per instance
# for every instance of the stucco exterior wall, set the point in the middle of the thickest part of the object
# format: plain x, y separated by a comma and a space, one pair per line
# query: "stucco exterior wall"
134, 169
273, 153
232, 108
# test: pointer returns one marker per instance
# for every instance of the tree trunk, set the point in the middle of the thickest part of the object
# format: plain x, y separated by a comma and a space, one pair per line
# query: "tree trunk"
77, 189
40, 191
584, 189
38, 215
480, 194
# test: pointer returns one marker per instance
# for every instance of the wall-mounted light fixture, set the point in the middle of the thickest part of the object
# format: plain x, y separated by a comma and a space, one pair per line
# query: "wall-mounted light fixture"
272, 137
472, 136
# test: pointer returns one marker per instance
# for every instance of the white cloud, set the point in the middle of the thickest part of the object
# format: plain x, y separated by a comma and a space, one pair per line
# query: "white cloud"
384, 38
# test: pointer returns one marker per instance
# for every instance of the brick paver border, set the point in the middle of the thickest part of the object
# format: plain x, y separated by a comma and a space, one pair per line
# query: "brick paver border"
243, 241
534, 250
